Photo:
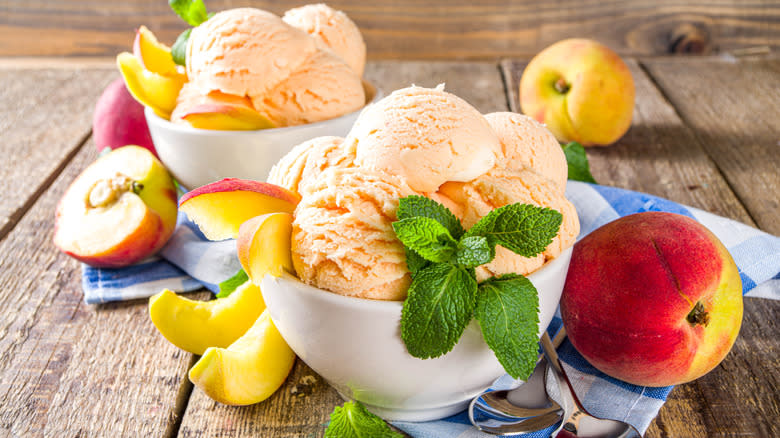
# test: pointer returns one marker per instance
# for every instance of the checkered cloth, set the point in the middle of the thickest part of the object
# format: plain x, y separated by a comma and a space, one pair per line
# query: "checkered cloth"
189, 262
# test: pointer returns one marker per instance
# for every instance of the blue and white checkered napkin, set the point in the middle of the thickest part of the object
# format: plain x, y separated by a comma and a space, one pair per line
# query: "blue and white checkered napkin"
188, 255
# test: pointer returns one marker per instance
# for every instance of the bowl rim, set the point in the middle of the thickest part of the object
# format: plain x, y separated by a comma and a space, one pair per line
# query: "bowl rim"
540, 274
370, 90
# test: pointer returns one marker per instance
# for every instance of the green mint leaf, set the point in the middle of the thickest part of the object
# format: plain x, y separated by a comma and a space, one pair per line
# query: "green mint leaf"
414, 206
439, 306
521, 228
353, 420
191, 11
230, 285
474, 251
508, 312
579, 170
415, 262
179, 48
427, 237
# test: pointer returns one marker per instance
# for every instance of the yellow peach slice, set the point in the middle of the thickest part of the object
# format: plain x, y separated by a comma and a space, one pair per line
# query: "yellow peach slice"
249, 370
221, 207
151, 89
226, 116
263, 245
154, 55
195, 326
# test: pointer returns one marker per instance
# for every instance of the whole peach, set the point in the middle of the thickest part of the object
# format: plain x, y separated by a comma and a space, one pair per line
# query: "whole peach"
119, 120
653, 299
581, 90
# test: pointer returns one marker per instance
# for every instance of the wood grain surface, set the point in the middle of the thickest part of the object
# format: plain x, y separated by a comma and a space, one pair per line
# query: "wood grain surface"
734, 109
662, 155
408, 29
46, 116
302, 406
70, 369
67, 368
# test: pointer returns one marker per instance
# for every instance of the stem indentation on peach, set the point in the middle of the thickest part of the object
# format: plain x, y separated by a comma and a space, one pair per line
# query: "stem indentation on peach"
698, 316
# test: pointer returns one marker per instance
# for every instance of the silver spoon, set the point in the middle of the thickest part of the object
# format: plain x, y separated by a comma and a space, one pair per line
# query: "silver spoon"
580, 423
524, 409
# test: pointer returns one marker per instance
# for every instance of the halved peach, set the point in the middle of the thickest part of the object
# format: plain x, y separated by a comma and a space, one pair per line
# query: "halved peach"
153, 55
195, 326
151, 89
225, 116
249, 370
263, 245
119, 210
221, 207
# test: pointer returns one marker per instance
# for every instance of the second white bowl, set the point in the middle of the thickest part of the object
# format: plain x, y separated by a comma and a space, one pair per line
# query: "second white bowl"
196, 157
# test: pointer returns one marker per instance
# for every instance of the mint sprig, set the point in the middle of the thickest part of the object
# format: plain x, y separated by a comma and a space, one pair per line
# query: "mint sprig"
191, 11
444, 294
194, 13
577, 160
437, 309
230, 285
506, 308
521, 228
353, 420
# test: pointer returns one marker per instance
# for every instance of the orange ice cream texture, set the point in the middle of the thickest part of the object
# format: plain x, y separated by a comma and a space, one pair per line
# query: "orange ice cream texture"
251, 57
415, 141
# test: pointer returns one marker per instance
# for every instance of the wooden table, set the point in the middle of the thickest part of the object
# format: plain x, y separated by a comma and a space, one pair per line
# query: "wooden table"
706, 133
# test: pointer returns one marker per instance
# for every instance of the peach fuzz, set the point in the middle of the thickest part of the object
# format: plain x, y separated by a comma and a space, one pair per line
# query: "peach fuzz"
263, 245
119, 210
219, 208
119, 120
653, 299
581, 90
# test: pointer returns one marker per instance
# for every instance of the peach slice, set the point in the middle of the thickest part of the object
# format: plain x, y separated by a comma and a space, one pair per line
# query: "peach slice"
151, 89
119, 210
249, 370
226, 116
154, 56
263, 245
195, 326
221, 207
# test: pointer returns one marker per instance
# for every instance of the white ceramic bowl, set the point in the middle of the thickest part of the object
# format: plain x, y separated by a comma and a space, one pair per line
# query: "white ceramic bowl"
197, 157
355, 344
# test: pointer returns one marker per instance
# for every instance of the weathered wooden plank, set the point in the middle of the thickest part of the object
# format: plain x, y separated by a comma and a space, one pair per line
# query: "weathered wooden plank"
67, 368
661, 155
302, 406
46, 114
439, 29
733, 108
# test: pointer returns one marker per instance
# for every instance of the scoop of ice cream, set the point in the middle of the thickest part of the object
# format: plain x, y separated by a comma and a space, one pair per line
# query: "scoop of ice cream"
426, 137
305, 162
527, 144
342, 237
321, 88
501, 187
245, 52
331, 29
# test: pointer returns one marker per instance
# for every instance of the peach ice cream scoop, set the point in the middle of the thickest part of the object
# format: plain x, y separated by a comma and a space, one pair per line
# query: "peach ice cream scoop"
416, 141
342, 238
333, 30
245, 52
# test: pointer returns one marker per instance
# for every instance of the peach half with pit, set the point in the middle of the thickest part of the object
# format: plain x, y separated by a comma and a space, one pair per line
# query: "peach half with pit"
653, 299
219, 208
119, 210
